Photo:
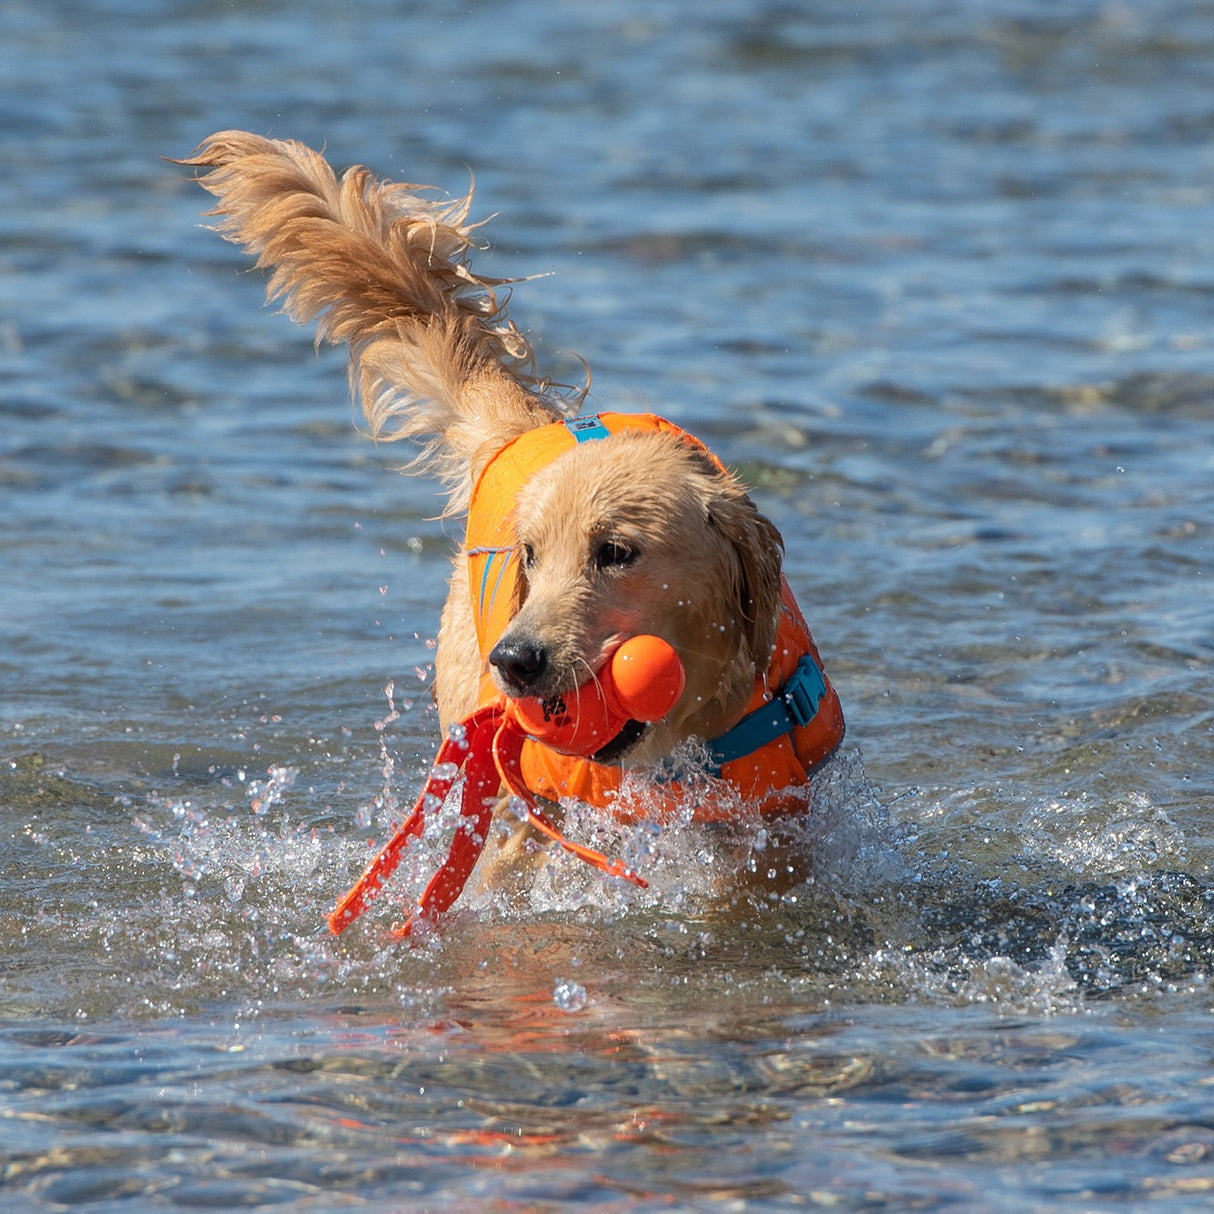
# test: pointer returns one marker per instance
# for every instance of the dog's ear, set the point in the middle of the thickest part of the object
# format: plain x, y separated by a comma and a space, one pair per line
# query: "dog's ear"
759, 551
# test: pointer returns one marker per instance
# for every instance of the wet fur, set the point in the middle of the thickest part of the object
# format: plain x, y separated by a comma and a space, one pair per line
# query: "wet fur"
433, 360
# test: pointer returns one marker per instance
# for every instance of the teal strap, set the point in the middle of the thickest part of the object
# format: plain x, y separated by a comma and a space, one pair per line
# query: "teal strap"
795, 705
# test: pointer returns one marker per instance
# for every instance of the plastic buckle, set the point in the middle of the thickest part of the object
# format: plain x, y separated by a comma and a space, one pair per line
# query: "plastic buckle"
804, 691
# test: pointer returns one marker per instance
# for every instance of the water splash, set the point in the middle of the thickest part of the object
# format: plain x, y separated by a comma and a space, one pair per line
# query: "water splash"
844, 843
1103, 839
953, 977
223, 900
264, 796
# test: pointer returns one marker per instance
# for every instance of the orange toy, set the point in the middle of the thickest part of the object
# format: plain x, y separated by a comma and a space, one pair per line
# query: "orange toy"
642, 681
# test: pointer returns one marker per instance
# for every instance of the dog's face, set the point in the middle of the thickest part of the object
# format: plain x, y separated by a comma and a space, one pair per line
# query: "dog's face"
642, 533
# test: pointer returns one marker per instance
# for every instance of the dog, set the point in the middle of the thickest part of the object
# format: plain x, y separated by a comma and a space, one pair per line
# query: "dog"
583, 530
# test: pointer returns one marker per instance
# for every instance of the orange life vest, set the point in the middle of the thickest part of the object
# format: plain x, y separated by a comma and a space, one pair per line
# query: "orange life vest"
792, 723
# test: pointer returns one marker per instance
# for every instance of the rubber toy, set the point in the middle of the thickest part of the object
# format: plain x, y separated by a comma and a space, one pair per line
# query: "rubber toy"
641, 682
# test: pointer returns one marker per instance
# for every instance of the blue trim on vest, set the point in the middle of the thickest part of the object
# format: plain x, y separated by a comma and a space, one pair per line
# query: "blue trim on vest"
795, 705
585, 429
492, 554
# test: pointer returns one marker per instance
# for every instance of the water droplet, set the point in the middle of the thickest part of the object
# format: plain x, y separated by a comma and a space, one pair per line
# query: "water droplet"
569, 996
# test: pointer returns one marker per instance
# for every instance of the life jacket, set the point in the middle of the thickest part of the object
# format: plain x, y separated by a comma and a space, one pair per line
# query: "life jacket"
792, 723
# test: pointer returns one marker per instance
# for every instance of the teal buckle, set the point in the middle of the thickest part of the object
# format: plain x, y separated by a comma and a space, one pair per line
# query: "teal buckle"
804, 691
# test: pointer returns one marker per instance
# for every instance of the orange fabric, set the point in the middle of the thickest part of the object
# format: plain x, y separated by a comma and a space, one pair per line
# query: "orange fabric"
765, 779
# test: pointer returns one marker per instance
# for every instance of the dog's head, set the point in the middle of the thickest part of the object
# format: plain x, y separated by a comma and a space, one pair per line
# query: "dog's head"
641, 533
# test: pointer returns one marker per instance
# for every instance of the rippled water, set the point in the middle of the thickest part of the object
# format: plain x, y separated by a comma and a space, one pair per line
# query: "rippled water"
938, 279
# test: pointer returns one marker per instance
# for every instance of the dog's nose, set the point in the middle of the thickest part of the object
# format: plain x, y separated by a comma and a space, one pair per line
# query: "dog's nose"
521, 663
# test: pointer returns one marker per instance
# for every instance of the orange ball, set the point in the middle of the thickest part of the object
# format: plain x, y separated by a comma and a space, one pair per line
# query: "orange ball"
647, 677
642, 680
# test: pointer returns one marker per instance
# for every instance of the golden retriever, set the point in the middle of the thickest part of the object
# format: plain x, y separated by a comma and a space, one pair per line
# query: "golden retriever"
641, 531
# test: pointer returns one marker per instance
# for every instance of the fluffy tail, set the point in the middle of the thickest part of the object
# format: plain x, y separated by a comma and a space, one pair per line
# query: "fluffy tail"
432, 357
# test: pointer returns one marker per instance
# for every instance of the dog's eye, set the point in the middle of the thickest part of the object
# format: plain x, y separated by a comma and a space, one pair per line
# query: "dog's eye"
528, 556
612, 554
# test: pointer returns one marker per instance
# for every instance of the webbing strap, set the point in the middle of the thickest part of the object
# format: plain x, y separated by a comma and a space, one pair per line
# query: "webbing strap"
795, 705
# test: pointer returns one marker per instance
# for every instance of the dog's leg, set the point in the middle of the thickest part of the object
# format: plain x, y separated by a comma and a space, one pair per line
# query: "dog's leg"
513, 853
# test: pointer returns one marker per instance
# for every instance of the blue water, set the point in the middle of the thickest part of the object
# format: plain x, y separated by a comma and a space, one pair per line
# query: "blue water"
938, 280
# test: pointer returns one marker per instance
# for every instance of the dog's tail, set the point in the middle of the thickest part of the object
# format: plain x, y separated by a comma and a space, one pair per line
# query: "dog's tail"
382, 268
